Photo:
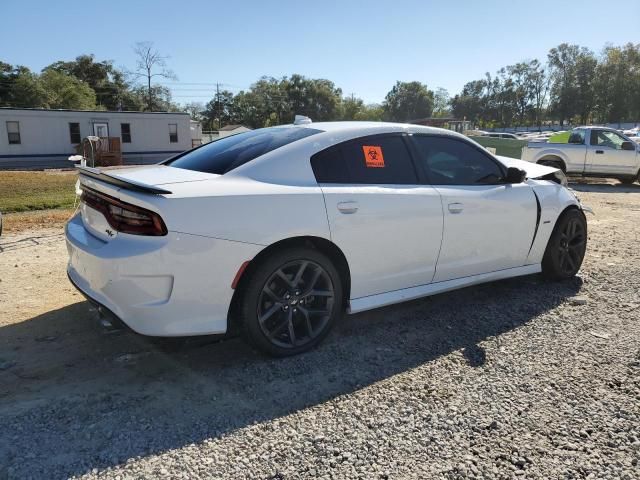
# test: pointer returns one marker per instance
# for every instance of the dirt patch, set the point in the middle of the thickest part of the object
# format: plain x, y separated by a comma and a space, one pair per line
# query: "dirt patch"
514, 378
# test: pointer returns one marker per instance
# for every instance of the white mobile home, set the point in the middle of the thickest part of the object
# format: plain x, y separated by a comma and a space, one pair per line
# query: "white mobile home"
39, 138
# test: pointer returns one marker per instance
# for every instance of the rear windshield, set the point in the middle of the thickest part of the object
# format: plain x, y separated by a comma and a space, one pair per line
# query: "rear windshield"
222, 156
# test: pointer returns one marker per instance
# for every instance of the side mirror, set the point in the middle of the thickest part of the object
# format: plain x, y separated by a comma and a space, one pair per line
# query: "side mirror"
515, 175
626, 145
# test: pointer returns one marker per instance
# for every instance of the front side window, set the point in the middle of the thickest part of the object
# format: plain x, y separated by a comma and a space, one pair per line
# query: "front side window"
605, 138
173, 133
125, 133
74, 133
449, 161
377, 159
13, 132
222, 156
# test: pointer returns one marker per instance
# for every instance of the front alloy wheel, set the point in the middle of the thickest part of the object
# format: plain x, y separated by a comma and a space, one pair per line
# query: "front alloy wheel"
296, 297
567, 246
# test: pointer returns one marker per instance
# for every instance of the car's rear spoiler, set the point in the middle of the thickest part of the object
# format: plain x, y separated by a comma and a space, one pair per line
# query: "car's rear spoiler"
113, 179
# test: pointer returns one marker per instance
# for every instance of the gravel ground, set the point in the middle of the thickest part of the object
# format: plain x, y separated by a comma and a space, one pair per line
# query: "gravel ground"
515, 379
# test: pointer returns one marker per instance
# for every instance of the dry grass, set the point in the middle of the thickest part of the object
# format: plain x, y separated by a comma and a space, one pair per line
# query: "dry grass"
25, 191
21, 221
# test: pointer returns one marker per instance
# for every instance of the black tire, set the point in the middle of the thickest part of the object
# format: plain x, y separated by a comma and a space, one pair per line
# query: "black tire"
627, 181
567, 246
291, 301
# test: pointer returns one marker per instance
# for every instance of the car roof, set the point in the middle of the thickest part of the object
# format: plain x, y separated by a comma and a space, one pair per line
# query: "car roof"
593, 127
360, 128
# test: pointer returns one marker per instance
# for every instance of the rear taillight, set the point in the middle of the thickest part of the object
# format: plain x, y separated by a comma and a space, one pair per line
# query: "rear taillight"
124, 217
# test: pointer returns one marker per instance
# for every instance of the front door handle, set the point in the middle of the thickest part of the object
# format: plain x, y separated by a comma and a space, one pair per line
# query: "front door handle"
456, 207
599, 152
348, 207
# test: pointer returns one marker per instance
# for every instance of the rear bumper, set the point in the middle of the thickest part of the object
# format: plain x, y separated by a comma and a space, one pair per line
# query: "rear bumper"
176, 285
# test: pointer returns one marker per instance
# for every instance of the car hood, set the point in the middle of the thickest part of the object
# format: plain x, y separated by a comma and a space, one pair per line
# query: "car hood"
533, 169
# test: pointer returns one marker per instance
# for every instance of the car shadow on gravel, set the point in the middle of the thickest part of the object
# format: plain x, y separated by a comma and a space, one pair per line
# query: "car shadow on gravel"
73, 399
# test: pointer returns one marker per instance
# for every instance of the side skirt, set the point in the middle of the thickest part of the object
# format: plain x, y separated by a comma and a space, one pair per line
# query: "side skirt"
389, 298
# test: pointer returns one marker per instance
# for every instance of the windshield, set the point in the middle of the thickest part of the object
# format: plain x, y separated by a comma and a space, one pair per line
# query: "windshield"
222, 156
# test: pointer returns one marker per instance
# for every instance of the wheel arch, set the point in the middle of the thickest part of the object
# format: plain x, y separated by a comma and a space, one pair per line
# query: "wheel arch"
553, 157
323, 245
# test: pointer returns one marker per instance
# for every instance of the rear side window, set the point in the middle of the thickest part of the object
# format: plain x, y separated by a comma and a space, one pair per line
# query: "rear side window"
576, 137
377, 159
448, 161
222, 156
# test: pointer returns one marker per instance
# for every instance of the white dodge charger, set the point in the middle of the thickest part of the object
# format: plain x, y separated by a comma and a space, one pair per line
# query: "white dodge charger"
279, 230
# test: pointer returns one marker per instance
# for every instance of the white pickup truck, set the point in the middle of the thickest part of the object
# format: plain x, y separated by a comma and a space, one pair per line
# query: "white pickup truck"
590, 152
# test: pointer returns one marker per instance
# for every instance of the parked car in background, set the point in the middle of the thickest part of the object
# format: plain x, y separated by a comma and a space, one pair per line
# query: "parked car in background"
590, 151
279, 230
511, 136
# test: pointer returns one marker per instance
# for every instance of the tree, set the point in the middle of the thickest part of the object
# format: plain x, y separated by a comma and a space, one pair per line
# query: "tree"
195, 110
150, 64
351, 107
408, 101
19, 87
318, 99
540, 82
522, 89
372, 112
66, 91
470, 103
219, 111
109, 83
615, 85
572, 70
441, 102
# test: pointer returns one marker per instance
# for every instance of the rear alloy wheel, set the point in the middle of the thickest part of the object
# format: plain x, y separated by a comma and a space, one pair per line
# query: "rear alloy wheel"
567, 246
291, 302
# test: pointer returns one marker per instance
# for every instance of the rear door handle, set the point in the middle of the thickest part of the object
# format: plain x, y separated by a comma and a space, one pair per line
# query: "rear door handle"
599, 152
456, 207
348, 207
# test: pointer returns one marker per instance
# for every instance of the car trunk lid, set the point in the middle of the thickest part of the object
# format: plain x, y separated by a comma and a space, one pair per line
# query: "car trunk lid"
155, 179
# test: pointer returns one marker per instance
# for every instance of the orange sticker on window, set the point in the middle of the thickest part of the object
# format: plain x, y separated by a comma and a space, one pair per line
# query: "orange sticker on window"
373, 156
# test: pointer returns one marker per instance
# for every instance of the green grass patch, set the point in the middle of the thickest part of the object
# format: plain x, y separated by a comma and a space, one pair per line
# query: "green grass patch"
562, 137
26, 191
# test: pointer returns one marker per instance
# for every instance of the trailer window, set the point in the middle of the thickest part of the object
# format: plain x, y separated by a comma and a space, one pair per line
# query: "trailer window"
125, 132
13, 132
74, 133
173, 133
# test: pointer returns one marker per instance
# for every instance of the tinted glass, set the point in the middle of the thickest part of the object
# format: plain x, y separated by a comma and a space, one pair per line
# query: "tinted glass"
448, 161
576, 137
230, 152
377, 159
329, 167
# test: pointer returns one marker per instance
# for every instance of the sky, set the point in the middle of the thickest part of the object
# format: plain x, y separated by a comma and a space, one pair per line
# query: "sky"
362, 46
